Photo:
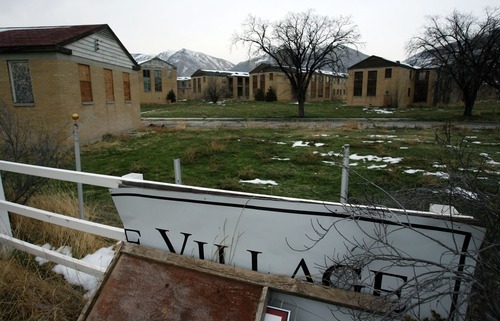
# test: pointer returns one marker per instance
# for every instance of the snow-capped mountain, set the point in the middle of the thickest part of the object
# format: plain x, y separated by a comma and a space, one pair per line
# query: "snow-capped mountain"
188, 61
352, 57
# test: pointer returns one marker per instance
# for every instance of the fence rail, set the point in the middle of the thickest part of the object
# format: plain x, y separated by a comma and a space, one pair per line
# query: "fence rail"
107, 231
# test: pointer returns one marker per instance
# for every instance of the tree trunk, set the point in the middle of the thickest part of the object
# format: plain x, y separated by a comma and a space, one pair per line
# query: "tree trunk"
301, 109
468, 109
469, 100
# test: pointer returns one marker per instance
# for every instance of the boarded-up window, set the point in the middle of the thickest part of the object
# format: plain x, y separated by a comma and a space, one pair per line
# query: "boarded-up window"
108, 83
158, 85
271, 76
262, 82
194, 85
20, 80
313, 87
320, 86
126, 87
388, 72
254, 82
85, 83
371, 86
358, 84
146, 75
199, 84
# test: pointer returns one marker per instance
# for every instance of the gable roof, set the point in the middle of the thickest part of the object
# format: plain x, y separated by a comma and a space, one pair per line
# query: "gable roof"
50, 38
155, 61
265, 67
378, 62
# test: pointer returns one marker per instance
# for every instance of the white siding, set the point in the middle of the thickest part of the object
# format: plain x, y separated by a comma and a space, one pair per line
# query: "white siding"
108, 50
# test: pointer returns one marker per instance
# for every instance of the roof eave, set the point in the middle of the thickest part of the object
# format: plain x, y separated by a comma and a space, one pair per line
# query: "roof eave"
36, 49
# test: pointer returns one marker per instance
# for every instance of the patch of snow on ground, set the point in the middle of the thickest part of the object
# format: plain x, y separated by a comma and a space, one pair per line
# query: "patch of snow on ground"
259, 181
101, 258
329, 163
280, 143
376, 166
383, 111
382, 136
280, 159
442, 175
372, 158
319, 144
413, 171
403, 147
377, 110
300, 143
330, 153
463, 192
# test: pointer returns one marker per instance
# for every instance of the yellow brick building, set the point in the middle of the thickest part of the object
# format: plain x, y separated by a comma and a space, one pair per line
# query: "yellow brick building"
233, 84
324, 85
49, 73
184, 89
376, 81
157, 77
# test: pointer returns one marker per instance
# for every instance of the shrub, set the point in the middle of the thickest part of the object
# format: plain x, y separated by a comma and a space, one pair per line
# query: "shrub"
271, 95
259, 95
171, 96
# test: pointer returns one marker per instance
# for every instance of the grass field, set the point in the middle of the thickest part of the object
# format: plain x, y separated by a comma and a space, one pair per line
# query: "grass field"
296, 162
488, 111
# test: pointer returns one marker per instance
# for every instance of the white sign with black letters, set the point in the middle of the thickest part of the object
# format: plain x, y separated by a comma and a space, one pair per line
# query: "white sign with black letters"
286, 236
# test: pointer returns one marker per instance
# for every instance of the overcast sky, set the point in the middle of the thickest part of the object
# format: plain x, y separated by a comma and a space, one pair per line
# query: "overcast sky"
153, 26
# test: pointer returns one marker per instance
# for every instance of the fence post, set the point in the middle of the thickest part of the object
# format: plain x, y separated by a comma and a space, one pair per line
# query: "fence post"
177, 171
78, 167
344, 187
4, 224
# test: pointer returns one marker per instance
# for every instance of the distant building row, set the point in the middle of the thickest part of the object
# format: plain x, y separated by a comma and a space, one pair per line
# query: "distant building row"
49, 73
373, 81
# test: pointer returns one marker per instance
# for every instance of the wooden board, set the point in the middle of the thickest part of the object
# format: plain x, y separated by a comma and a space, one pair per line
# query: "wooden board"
148, 284
147, 289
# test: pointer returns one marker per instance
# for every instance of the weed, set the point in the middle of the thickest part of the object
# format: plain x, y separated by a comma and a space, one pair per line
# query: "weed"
352, 125
189, 156
217, 146
247, 172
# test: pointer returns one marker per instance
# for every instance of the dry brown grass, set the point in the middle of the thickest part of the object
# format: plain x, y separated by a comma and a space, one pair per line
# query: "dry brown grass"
32, 292
217, 146
352, 125
38, 232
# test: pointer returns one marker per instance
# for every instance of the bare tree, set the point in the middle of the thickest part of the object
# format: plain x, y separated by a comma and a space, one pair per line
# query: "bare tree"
25, 141
300, 45
214, 90
461, 47
471, 277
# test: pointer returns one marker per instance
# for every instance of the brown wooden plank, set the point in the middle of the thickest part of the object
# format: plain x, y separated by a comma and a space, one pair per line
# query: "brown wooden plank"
140, 288
340, 297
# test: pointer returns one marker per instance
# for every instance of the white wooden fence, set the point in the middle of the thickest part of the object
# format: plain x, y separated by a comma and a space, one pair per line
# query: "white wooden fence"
8, 241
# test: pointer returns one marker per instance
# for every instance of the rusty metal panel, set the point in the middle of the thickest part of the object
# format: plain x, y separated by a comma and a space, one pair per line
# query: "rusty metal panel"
138, 288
